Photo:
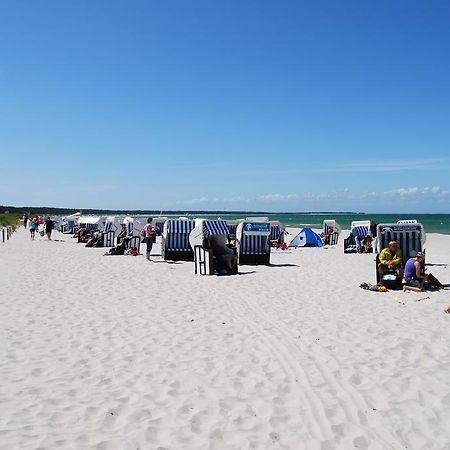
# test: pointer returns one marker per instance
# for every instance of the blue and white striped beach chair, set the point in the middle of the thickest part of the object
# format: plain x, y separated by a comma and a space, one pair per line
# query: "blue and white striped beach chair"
175, 240
129, 224
359, 229
253, 239
276, 233
158, 223
410, 238
108, 234
206, 262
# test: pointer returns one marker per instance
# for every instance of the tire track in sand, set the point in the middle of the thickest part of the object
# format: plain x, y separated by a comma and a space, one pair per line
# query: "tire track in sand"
295, 352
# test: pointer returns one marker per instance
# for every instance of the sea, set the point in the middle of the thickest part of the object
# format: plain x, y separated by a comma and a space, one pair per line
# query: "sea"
432, 223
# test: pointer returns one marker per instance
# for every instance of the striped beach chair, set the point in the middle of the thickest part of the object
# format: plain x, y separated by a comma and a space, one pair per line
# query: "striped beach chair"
253, 239
91, 223
205, 261
175, 240
129, 224
359, 229
232, 225
410, 238
108, 233
334, 237
158, 223
276, 233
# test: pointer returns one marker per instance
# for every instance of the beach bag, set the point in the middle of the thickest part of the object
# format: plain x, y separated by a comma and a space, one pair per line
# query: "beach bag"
143, 233
41, 233
434, 282
390, 281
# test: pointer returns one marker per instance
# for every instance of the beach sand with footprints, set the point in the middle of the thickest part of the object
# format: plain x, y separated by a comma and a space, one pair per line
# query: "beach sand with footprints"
120, 353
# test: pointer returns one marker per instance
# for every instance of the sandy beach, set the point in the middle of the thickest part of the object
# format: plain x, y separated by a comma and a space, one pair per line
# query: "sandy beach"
115, 353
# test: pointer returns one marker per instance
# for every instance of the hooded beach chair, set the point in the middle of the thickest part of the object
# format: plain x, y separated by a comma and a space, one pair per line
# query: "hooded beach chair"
158, 223
253, 242
69, 223
129, 225
175, 240
331, 224
276, 233
410, 238
206, 262
108, 233
359, 229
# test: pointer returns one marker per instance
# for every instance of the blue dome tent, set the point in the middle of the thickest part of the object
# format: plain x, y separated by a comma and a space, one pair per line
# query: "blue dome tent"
306, 238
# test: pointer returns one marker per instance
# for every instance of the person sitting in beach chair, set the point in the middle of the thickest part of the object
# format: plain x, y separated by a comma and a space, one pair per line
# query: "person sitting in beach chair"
391, 260
95, 240
123, 234
364, 245
327, 235
225, 256
119, 249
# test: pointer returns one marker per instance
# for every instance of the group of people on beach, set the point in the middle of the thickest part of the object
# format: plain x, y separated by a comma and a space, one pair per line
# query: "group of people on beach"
412, 274
35, 222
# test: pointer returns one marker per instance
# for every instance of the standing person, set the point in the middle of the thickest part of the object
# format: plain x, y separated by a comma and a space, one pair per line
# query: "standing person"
25, 220
373, 229
149, 237
33, 227
48, 227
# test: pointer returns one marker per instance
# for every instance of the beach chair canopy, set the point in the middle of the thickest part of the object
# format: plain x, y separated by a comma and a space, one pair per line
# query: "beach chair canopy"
306, 238
232, 225
158, 222
410, 237
360, 228
331, 223
276, 231
109, 224
128, 222
207, 228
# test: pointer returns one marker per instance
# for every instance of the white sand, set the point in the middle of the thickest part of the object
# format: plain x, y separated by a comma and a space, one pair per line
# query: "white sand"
118, 353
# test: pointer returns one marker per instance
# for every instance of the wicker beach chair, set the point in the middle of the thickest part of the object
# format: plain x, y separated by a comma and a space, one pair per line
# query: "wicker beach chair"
253, 242
207, 261
410, 238
333, 238
175, 240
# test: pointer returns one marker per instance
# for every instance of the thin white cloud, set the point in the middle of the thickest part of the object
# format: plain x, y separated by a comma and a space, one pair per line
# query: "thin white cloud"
411, 192
367, 166
97, 188
194, 201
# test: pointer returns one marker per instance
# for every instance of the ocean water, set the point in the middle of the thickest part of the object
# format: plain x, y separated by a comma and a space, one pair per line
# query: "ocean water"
432, 223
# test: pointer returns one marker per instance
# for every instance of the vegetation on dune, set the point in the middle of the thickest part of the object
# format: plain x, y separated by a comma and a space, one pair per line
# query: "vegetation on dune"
9, 219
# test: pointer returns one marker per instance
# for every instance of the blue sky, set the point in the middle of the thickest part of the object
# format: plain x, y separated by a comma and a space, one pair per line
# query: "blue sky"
226, 105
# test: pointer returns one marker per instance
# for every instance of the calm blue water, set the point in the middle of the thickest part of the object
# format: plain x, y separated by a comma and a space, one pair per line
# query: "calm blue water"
433, 223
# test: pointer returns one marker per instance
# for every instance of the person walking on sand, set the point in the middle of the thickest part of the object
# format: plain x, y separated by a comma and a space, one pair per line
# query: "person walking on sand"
48, 227
149, 237
33, 227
